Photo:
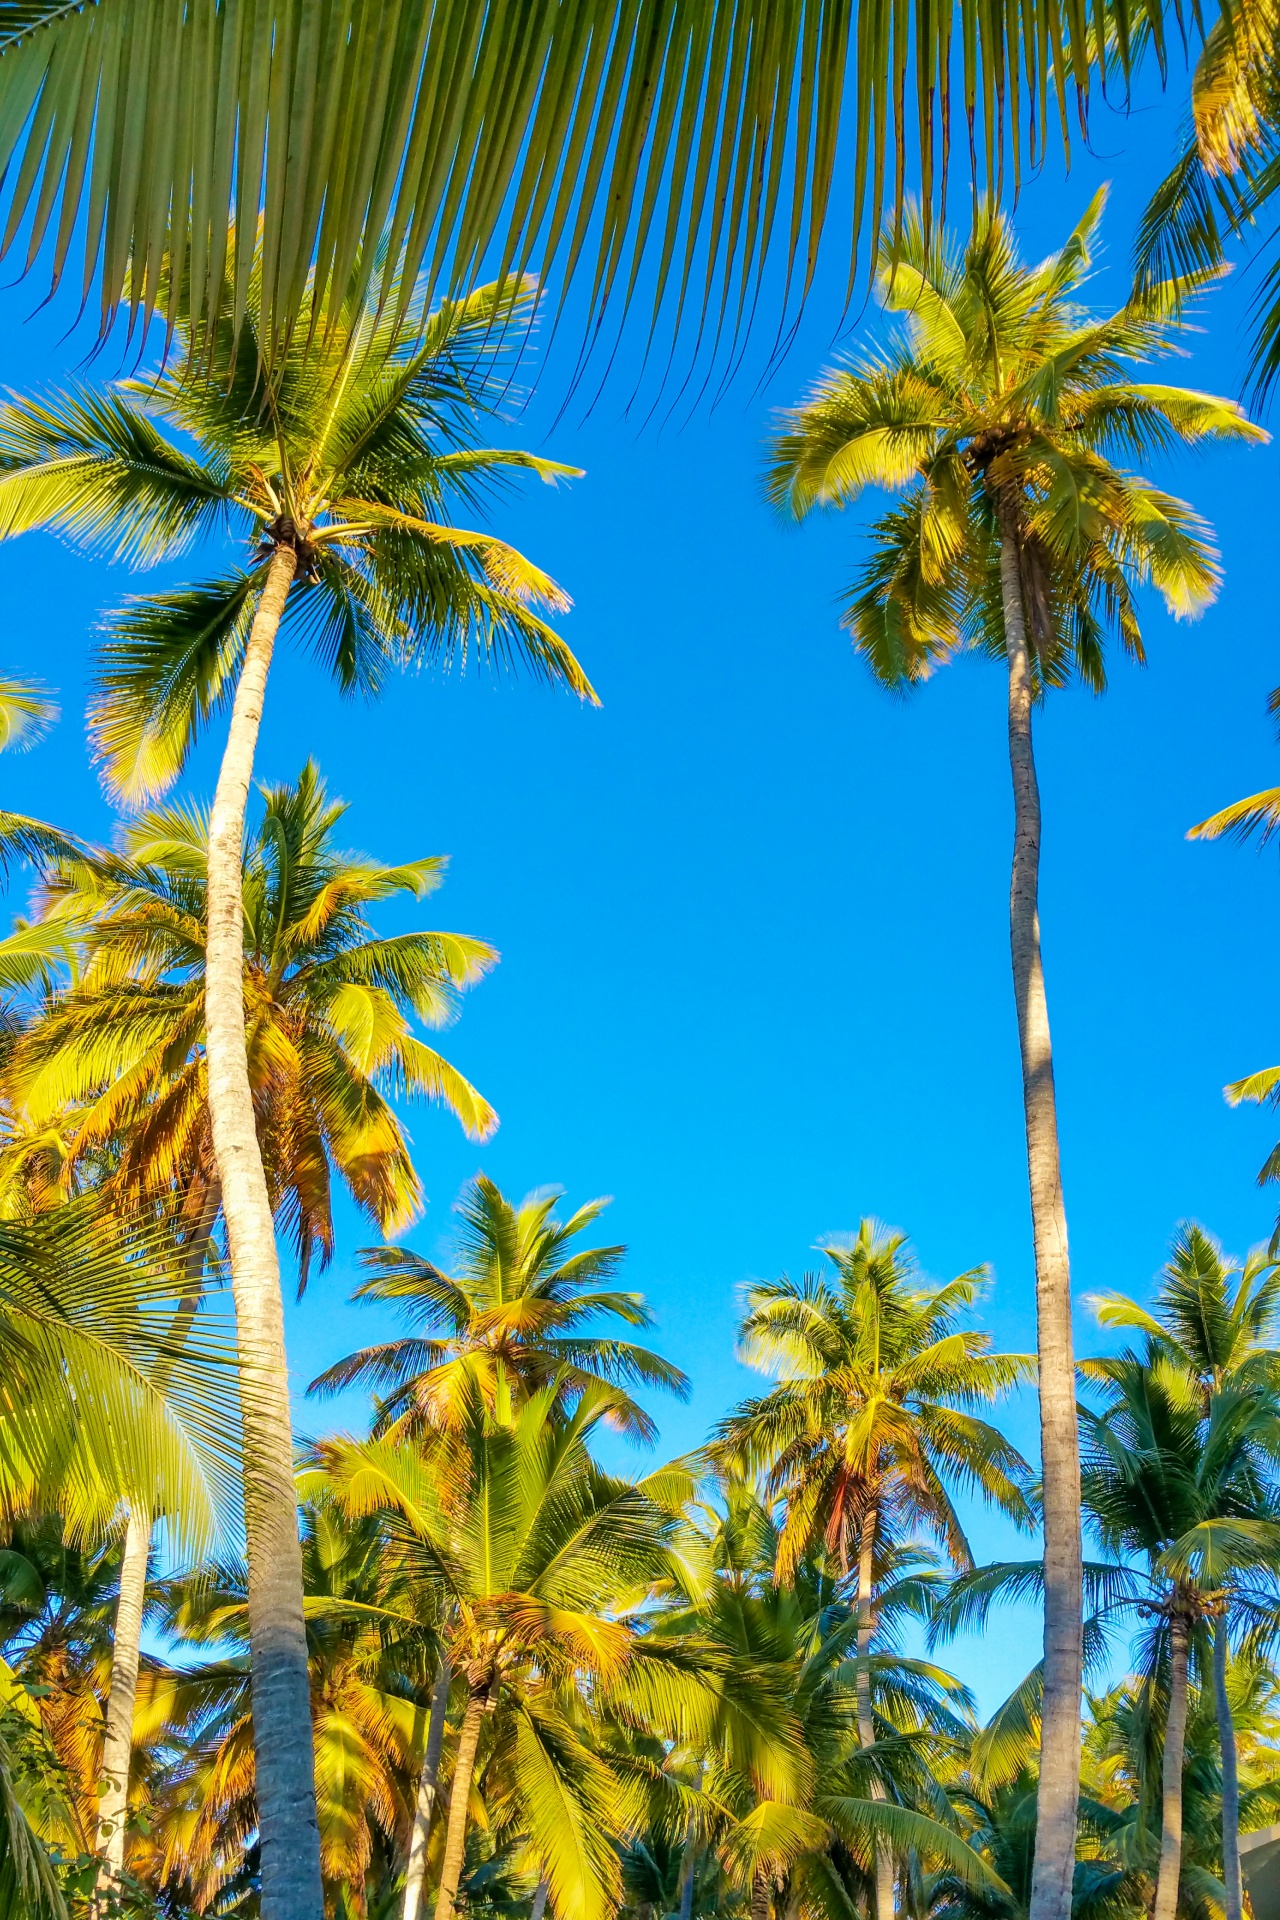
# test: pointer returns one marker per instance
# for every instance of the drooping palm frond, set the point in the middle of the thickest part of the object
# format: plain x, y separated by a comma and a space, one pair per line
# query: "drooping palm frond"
700, 138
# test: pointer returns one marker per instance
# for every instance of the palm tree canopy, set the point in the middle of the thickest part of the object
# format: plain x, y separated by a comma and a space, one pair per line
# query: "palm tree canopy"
543, 1565
587, 138
353, 453
1001, 396
1218, 1330
116, 1060
512, 1317
877, 1377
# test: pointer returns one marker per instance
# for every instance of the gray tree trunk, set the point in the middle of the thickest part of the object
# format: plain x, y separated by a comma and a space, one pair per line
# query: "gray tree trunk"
866, 1718
126, 1652
126, 1645
464, 1766
416, 1870
1059, 1790
282, 1740
1230, 1776
1175, 1746
539, 1906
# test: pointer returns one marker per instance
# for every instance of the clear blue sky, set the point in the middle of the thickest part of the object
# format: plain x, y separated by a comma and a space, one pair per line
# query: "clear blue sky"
752, 913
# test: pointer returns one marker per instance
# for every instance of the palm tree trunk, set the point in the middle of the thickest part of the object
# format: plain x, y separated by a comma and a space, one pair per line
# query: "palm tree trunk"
866, 1718
539, 1906
416, 1870
1059, 1789
126, 1645
455, 1839
282, 1742
1230, 1776
126, 1652
688, 1873
760, 1891
1175, 1743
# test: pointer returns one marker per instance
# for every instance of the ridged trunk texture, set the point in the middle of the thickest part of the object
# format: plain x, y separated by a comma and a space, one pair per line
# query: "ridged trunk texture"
126, 1642
126, 1651
1175, 1748
416, 1868
282, 1742
464, 1766
1059, 1789
1230, 1776
866, 1719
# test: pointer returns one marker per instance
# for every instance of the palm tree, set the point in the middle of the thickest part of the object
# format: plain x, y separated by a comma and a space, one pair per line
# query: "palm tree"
1189, 1487
869, 1420
539, 1559
1221, 183
998, 411
115, 1061
1223, 1334
507, 1321
674, 136
335, 473
366, 1655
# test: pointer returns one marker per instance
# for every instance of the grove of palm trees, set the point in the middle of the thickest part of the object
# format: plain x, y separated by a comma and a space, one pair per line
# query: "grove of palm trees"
387, 1526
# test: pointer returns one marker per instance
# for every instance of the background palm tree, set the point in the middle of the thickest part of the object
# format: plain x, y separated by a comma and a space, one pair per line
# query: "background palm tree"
539, 1558
997, 412
869, 1421
335, 474
115, 1061
512, 1317
1218, 1321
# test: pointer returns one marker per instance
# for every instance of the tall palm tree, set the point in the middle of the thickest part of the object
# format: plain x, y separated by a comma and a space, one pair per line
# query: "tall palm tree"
870, 1420
116, 1062
334, 474
511, 1317
594, 137
998, 412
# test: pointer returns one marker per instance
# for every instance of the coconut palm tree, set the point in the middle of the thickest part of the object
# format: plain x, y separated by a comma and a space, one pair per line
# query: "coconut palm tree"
334, 475
507, 1320
115, 1062
596, 137
367, 1662
1188, 1487
1221, 1329
539, 1559
1221, 183
870, 1420
999, 413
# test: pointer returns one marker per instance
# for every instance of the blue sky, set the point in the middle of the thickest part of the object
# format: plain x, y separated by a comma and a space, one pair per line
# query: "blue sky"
753, 913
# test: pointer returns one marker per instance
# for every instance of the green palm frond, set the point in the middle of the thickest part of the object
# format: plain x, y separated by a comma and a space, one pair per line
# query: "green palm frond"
701, 143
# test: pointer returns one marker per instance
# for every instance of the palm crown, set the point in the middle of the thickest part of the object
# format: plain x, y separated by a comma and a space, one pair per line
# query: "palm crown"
118, 1056
509, 1320
876, 1376
999, 411
352, 454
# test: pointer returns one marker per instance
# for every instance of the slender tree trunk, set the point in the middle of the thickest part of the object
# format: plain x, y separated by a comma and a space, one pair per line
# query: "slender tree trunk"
761, 1901
455, 1839
1230, 1776
282, 1740
117, 1746
866, 1718
126, 1646
1059, 1789
539, 1906
1175, 1745
688, 1872
416, 1870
